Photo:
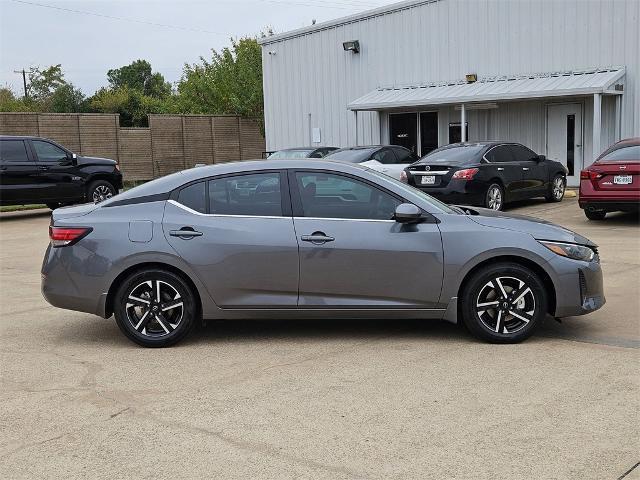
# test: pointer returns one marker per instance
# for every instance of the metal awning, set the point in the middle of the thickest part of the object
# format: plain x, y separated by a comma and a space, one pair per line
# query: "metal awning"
542, 85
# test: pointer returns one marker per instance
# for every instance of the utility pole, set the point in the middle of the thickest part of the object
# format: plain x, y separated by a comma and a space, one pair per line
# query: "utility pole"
24, 81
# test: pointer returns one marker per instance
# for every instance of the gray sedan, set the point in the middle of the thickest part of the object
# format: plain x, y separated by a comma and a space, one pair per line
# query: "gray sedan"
292, 238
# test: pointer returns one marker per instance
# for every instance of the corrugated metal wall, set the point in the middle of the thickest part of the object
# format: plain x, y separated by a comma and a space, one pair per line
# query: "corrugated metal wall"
171, 143
309, 79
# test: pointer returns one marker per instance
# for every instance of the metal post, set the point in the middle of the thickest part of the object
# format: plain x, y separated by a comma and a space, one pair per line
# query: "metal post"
597, 125
356, 114
618, 120
463, 121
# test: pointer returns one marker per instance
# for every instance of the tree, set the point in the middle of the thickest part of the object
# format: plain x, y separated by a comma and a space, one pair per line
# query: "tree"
230, 83
138, 76
10, 103
131, 104
67, 99
42, 83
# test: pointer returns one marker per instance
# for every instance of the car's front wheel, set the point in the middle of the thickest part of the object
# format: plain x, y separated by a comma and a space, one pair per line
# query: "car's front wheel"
100, 190
155, 308
503, 303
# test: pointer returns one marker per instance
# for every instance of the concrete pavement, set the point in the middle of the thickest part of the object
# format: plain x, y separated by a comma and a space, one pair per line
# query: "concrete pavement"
320, 399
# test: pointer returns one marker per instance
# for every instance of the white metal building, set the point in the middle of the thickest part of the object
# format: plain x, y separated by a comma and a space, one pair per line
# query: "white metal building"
560, 76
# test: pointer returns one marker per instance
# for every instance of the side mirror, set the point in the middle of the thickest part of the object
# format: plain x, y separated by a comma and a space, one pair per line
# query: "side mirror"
407, 213
541, 158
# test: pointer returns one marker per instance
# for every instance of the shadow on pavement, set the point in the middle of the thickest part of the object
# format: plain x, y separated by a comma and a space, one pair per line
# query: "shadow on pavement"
24, 214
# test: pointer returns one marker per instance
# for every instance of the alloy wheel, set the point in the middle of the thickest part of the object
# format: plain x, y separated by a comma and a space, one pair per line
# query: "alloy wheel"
494, 196
558, 188
101, 193
154, 308
505, 305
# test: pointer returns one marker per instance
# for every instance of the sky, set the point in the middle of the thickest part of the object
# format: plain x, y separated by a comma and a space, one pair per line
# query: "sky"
88, 44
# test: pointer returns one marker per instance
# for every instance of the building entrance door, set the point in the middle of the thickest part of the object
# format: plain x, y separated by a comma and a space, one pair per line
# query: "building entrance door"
403, 130
564, 138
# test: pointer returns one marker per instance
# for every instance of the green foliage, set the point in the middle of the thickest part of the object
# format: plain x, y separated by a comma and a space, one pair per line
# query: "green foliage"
229, 83
138, 76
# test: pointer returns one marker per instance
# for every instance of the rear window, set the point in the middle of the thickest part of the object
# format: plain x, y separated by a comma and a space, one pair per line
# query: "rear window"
290, 154
624, 154
194, 196
351, 155
453, 155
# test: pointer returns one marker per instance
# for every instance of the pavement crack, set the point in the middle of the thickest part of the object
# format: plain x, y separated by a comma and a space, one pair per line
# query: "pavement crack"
628, 471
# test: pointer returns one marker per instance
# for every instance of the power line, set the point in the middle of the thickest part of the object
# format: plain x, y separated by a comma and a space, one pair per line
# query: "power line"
112, 17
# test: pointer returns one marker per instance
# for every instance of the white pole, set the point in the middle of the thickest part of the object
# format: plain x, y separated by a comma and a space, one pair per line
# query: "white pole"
356, 115
597, 125
463, 121
618, 121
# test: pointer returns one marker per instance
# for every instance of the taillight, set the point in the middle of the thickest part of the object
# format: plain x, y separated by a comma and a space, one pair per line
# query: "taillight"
403, 177
590, 175
466, 174
64, 236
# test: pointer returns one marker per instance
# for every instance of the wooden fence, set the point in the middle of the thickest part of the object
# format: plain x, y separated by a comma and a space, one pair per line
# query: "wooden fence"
171, 143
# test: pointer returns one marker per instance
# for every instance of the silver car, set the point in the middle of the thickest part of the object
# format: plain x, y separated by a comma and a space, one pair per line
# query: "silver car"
293, 238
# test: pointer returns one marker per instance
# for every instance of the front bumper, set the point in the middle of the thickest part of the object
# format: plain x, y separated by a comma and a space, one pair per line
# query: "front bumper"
579, 286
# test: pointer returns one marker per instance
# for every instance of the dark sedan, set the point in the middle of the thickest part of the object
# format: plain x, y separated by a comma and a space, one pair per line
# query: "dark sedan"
487, 174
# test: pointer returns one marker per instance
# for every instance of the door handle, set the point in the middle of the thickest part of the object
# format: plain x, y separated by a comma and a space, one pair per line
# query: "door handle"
500, 169
185, 233
43, 167
317, 238
525, 168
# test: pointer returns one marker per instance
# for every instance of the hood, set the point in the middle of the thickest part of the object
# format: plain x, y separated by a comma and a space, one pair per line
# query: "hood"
536, 227
94, 161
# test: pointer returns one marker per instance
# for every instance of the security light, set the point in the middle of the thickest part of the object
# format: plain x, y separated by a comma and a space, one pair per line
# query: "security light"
471, 77
351, 45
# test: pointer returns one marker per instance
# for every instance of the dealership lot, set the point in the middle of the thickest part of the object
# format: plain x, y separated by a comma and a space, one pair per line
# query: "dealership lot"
320, 399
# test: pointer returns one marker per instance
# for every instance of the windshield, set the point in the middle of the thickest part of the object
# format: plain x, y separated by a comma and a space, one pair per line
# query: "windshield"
290, 154
624, 154
454, 155
356, 155
414, 191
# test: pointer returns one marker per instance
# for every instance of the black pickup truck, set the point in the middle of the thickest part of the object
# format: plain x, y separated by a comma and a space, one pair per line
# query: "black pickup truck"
37, 170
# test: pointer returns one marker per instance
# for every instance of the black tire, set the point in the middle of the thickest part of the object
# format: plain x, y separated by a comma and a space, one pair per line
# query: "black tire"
99, 190
526, 298
53, 206
595, 214
156, 327
556, 188
494, 197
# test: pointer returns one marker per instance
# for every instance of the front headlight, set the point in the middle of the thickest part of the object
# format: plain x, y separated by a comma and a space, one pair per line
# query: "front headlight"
570, 250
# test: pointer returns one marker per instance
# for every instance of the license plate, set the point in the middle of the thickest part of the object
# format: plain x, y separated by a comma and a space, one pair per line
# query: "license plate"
428, 180
623, 179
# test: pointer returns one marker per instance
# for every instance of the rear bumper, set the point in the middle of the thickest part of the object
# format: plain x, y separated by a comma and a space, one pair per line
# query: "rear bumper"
611, 205
460, 192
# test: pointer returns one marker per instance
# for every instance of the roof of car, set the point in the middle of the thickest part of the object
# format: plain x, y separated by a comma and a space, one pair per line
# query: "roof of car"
20, 137
627, 142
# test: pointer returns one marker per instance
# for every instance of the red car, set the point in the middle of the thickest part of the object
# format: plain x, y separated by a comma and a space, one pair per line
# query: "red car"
612, 182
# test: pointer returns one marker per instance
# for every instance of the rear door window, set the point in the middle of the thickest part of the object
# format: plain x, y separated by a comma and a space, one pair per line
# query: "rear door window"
194, 197
256, 194
522, 153
13, 151
500, 154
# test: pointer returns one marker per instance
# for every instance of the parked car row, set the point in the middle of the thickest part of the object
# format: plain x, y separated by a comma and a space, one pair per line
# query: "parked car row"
492, 174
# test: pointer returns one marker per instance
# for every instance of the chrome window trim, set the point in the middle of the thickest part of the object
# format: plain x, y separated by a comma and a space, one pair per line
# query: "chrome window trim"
221, 215
345, 219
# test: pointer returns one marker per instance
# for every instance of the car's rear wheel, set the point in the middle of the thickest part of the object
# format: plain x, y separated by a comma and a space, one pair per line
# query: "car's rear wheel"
100, 190
595, 214
557, 189
155, 308
503, 303
494, 198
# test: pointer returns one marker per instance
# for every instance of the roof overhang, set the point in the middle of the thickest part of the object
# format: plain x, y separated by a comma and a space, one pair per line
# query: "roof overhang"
544, 85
